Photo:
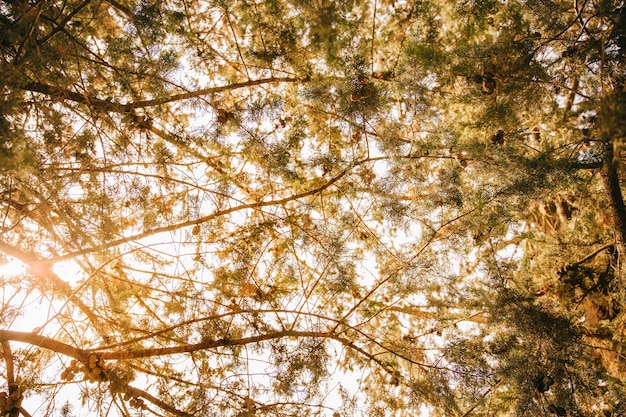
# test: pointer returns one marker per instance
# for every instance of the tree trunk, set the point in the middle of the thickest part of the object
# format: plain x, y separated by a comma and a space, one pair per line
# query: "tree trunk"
613, 190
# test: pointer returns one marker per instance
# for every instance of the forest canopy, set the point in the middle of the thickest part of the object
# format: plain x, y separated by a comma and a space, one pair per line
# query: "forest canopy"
320, 208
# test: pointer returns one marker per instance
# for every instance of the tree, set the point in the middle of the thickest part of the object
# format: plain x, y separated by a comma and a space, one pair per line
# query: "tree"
233, 208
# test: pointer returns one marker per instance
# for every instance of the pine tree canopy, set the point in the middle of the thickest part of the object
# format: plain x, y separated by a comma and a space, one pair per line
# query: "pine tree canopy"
312, 208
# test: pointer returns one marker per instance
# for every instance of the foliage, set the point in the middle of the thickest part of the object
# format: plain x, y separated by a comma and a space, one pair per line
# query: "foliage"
286, 207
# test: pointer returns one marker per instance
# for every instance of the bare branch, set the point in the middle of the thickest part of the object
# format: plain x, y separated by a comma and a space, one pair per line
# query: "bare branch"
44, 342
139, 393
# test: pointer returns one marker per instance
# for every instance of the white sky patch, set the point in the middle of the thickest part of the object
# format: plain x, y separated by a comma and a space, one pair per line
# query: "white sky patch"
11, 268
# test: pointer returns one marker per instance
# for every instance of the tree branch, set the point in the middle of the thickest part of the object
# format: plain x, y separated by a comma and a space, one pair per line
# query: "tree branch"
63, 94
208, 344
8, 359
78, 354
480, 317
61, 25
138, 393
43, 342
14, 390
572, 266
219, 213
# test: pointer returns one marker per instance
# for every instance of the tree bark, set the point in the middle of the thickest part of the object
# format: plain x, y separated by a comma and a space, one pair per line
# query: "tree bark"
613, 190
